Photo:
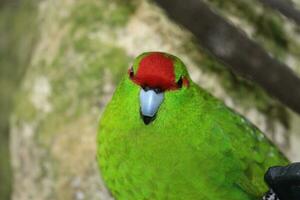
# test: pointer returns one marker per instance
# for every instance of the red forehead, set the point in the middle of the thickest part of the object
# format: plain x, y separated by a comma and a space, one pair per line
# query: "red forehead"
156, 70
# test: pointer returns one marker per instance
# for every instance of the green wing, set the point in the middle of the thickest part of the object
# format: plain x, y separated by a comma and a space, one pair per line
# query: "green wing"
253, 151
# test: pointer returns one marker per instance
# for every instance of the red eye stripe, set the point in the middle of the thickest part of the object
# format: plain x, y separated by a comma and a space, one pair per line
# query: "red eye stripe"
185, 82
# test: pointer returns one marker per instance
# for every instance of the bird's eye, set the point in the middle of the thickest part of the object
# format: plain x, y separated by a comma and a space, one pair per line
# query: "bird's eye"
179, 82
131, 72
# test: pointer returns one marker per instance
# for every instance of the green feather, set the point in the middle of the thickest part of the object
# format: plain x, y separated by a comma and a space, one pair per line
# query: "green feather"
196, 148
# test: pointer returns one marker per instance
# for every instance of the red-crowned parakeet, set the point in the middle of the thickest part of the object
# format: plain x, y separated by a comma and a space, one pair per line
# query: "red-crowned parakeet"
164, 137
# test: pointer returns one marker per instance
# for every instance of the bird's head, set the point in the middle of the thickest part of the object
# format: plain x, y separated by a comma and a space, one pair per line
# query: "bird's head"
157, 73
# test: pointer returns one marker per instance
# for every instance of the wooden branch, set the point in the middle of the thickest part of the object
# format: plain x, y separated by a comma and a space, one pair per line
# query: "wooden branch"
235, 49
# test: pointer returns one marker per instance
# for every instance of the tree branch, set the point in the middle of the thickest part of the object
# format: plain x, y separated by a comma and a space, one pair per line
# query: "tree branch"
234, 49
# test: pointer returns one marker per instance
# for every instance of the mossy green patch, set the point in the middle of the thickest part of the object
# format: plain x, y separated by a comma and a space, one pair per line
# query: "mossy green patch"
90, 14
80, 68
80, 91
24, 109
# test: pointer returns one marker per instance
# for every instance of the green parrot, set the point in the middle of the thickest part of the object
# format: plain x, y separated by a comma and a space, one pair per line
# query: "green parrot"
164, 137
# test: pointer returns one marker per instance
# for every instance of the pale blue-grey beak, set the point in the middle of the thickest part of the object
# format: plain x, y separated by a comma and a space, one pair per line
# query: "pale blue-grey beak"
150, 100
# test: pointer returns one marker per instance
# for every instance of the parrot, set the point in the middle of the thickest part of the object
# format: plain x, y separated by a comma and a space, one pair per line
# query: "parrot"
162, 136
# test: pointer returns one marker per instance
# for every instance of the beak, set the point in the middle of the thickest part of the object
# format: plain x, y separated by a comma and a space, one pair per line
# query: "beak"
150, 101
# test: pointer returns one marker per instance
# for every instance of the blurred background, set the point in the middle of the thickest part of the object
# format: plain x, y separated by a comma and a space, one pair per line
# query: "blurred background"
60, 61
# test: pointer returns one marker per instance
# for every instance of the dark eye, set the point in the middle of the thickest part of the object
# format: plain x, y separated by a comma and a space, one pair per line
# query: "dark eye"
179, 82
131, 72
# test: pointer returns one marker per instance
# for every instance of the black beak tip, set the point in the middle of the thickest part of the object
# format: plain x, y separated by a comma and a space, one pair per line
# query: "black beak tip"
146, 119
